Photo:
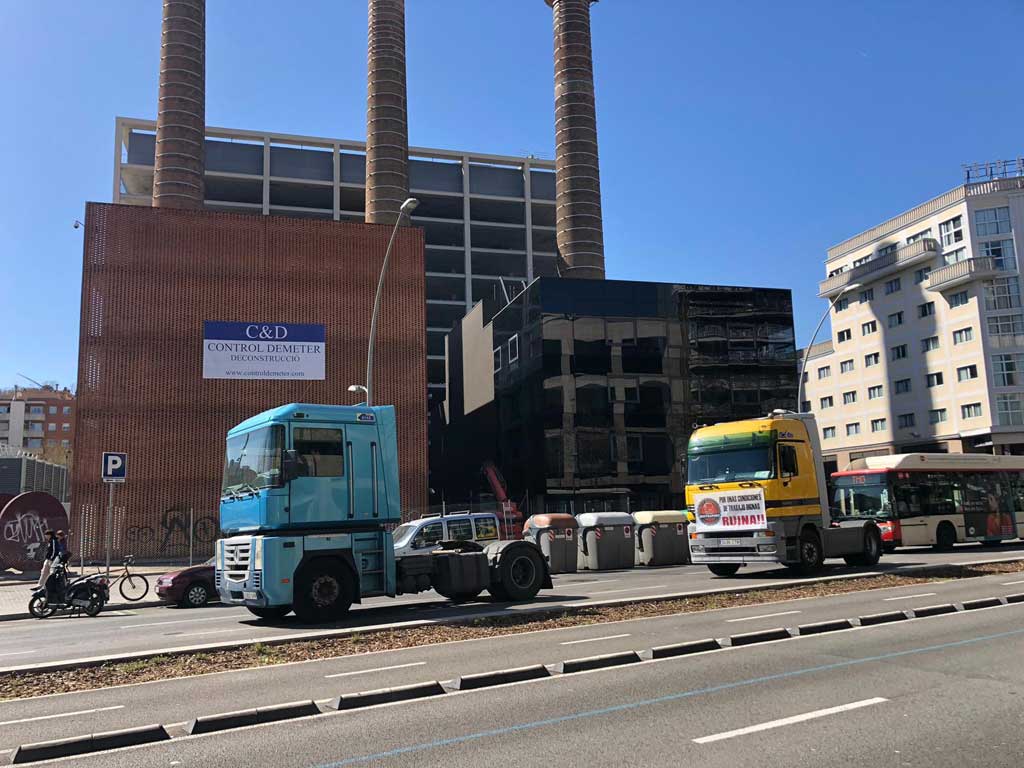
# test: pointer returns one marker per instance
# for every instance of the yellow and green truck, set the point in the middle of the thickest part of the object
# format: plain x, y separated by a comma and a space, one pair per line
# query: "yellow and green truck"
756, 493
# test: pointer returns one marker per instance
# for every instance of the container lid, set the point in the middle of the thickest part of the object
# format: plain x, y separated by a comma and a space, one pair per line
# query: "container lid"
557, 520
660, 516
588, 519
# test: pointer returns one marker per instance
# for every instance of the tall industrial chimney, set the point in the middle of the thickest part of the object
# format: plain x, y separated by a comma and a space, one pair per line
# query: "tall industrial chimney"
181, 115
579, 231
387, 131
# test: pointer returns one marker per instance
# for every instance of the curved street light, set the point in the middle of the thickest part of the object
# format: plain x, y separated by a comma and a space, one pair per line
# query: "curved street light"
803, 367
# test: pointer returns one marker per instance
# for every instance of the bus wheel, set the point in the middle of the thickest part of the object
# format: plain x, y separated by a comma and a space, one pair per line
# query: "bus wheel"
322, 592
872, 551
724, 569
945, 537
811, 556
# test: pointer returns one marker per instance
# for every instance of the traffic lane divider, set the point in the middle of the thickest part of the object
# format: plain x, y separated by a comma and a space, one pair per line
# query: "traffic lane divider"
761, 636
501, 677
984, 602
681, 649
82, 745
595, 662
386, 695
933, 610
824, 626
882, 618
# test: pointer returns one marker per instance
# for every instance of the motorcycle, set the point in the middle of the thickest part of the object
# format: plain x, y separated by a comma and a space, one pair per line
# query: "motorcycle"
86, 594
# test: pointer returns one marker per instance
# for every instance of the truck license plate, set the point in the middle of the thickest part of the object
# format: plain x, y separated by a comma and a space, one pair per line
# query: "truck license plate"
730, 542
249, 595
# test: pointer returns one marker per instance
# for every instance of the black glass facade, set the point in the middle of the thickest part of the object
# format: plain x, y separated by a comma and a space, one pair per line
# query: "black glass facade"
598, 384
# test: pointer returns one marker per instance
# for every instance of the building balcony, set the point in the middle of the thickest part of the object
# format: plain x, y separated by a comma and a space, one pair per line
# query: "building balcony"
966, 271
918, 251
34, 416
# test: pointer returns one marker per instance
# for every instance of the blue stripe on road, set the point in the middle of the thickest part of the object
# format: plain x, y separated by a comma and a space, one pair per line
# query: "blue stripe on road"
660, 700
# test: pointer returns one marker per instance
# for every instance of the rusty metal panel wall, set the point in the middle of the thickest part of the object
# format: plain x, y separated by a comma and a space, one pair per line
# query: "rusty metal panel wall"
151, 276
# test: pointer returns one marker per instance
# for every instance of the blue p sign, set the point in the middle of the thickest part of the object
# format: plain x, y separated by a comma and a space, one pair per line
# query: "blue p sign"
115, 467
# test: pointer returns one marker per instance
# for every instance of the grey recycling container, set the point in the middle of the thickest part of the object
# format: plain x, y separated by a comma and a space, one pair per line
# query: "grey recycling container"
605, 541
555, 534
661, 538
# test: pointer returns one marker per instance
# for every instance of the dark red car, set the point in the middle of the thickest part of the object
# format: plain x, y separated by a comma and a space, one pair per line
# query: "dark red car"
190, 587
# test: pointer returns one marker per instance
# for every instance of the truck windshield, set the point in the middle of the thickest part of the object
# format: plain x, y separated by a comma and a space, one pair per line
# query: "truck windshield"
730, 465
862, 496
253, 461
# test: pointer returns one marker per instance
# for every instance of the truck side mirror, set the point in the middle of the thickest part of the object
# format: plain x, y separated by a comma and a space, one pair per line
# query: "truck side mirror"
290, 466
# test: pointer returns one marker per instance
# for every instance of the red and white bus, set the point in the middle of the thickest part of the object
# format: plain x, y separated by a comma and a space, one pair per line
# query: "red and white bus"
936, 499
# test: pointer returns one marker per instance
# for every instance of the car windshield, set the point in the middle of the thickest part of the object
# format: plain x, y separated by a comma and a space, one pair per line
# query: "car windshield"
253, 461
403, 533
730, 465
862, 495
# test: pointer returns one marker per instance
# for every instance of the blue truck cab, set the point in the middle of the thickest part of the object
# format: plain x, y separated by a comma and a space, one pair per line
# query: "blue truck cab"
309, 496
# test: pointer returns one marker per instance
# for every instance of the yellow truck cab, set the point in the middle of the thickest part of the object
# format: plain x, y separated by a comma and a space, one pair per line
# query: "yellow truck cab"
755, 493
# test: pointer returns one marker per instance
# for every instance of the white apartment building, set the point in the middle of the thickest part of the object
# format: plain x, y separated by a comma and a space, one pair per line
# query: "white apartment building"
927, 340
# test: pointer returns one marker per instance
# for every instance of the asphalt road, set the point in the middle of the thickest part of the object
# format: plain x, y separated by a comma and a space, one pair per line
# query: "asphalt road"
32, 641
935, 692
176, 701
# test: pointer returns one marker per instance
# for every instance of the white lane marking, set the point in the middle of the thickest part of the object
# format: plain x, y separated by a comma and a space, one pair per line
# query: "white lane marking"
1011, 583
909, 597
217, 632
631, 589
62, 714
762, 616
378, 669
789, 720
593, 639
16, 653
181, 621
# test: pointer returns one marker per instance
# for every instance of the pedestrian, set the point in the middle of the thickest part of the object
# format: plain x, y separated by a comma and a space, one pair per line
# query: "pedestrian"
49, 553
62, 546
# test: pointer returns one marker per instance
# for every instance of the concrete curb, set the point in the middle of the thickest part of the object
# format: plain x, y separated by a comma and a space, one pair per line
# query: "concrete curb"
96, 661
221, 722
97, 742
500, 677
386, 695
824, 626
761, 636
680, 649
882, 618
107, 607
1018, 598
595, 662
933, 610
984, 602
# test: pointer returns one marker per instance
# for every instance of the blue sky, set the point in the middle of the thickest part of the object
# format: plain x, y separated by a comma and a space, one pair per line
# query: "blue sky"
738, 139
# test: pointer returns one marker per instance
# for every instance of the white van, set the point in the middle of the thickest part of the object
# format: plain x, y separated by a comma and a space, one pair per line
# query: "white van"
420, 537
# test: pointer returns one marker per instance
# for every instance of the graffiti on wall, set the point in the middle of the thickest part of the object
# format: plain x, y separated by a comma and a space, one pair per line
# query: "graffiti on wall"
23, 521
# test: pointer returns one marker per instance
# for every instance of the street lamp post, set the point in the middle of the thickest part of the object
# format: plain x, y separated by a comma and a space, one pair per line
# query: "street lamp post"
803, 367
407, 208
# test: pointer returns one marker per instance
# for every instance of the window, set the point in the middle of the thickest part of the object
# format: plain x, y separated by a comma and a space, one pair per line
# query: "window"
460, 530
429, 534
966, 373
52, 410
952, 231
878, 425
34, 443
65, 427
806, 375
67, 410
934, 379
787, 461
844, 335
867, 295
920, 275
853, 429
937, 415
849, 397
1001, 253
51, 427
927, 345
870, 360
970, 411
966, 334
824, 372
899, 352
905, 420
1010, 410
51, 442
926, 310
958, 299
842, 304
1008, 369
892, 286
896, 318
828, 433
922, 234
902, 386
513, 348
65, 443
875, 392
805, 406
497, 359
846, 366
862, 260
992, 221
35, 410
868, 328
1006, 325
885, 250
1002, 293
953, 257
826, 402
319, 451
486, 528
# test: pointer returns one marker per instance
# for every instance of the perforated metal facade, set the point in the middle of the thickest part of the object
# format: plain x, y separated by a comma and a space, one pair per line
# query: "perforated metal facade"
151, 276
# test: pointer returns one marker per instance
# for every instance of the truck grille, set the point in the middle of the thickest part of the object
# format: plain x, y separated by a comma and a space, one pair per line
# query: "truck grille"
236, 560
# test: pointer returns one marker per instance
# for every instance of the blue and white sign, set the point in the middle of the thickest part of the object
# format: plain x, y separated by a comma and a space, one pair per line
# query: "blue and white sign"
263, 351
115, 467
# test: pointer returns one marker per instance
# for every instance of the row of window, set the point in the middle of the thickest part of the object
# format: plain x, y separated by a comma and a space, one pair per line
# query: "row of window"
36, 442
908, 420
52, 427
38, 410
903, 386
901, 351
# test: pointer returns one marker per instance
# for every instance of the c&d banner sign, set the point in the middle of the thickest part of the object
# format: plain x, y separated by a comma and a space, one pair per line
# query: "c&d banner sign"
263, 350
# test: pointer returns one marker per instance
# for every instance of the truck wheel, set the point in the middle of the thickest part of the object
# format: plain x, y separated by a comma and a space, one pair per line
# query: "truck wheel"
811, 556
871, 553
945, 537
724, 569
520, 575
271, 612
322, 593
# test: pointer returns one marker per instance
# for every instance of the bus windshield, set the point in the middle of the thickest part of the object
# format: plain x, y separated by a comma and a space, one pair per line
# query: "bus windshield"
730, 465
253, 461
862, 495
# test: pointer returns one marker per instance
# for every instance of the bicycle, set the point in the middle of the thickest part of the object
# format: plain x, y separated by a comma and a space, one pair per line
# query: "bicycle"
132, 586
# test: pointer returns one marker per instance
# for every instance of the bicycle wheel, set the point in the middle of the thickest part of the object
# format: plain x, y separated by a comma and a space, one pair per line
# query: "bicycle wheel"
133, 587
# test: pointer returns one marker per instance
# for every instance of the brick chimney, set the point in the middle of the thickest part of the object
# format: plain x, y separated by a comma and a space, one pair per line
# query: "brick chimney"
579, 230
181, 115
387, 131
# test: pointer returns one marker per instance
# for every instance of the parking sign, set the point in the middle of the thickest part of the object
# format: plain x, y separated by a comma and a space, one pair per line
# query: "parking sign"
115, 467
